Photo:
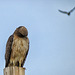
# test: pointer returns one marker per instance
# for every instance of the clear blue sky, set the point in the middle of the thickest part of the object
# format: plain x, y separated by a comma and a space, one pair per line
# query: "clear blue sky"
51, 34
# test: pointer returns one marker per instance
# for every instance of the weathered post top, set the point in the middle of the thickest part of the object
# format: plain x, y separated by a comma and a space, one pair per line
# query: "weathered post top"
14, 70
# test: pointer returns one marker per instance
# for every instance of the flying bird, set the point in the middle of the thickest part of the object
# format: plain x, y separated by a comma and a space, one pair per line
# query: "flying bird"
17, 48
68, 13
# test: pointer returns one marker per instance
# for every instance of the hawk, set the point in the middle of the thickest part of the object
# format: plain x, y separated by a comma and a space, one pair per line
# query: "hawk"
68, 13
17, 48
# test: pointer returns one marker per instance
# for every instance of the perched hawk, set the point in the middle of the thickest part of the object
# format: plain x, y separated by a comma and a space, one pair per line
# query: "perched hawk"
17, 48
68, 13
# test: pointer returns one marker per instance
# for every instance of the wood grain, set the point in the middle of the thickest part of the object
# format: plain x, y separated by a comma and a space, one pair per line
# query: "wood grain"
14, 70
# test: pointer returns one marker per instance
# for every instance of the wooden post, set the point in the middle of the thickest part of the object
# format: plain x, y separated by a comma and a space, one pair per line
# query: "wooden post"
14, 70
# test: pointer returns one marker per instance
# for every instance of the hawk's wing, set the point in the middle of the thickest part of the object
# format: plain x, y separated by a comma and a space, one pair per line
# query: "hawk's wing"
72, 10
25, 54
8, 50
63, 11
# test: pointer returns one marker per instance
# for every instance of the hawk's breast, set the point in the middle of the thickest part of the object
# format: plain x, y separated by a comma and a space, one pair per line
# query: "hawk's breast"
19, 46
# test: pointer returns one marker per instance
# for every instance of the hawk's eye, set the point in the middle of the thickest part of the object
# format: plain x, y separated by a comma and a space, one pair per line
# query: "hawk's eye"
20, 35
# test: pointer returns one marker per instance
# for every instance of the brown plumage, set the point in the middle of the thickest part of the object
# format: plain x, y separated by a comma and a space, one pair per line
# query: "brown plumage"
17, 47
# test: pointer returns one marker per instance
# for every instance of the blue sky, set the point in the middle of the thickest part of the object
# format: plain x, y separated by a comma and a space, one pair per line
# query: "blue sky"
51, 34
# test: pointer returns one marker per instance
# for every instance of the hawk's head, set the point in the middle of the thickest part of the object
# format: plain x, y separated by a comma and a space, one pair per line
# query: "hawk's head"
21, 31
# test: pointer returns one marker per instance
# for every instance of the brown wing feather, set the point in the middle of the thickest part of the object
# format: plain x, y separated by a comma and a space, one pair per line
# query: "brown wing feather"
8, 50
25, 56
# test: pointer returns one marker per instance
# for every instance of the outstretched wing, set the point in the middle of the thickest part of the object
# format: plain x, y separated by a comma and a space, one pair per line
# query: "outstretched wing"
72, 10
8, 50
63, 11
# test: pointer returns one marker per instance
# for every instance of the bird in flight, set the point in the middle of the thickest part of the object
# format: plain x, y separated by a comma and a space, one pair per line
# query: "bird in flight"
68, 13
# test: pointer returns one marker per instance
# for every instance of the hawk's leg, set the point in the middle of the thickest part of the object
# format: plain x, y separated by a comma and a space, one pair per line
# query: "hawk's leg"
12, 62
20, 62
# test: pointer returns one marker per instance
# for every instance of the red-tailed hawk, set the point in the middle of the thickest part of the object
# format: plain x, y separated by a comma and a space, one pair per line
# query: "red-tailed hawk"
17, 47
